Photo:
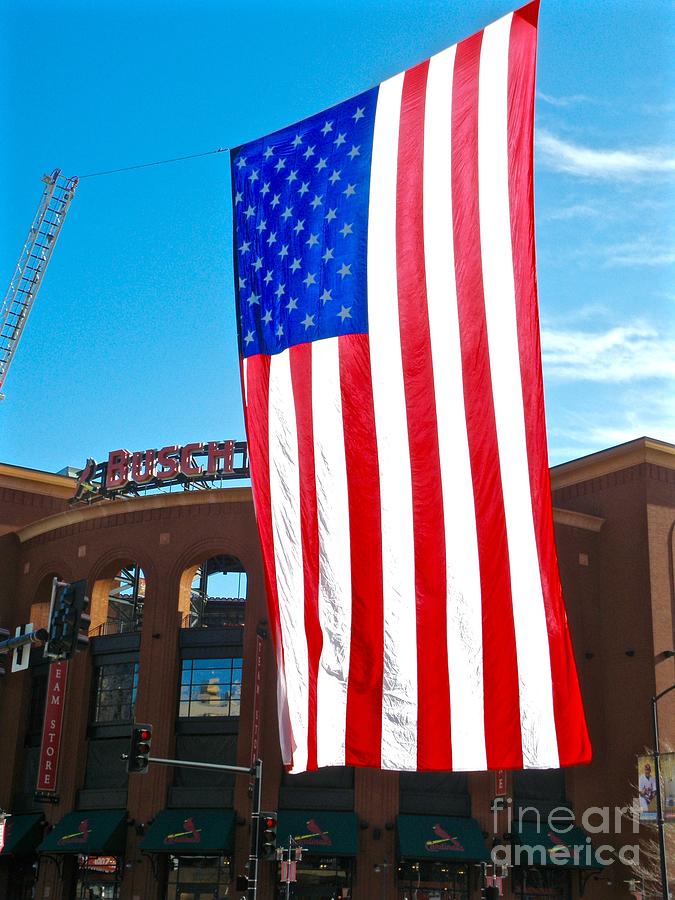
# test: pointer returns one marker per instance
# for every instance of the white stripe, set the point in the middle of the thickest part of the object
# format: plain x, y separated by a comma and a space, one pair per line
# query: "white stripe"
464, 607
534, 665
399, 694
335, 581
286, 529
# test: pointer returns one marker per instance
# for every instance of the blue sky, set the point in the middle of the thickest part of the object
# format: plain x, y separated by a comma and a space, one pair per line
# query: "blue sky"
132, 342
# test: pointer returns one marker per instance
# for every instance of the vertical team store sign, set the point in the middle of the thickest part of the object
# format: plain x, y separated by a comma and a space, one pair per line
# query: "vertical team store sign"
51, 730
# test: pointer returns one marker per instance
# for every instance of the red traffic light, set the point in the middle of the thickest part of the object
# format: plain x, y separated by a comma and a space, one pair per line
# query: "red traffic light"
144, 734
269, 821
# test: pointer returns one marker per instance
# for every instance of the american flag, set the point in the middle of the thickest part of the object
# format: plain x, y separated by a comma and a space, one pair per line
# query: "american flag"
393, 395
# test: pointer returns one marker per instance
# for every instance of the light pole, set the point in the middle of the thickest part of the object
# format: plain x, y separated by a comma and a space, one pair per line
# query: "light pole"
659, 806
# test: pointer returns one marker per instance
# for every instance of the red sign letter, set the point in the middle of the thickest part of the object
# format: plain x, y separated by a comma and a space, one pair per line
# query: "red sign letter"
117, 473
218, 452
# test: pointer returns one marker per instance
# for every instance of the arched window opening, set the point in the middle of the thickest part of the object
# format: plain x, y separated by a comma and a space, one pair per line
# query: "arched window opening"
217, 594
118, 601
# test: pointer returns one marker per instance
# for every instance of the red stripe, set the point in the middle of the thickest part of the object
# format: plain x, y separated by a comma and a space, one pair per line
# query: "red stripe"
573, 741
363, 736
434, 747
301, 378
257, 430
500, 665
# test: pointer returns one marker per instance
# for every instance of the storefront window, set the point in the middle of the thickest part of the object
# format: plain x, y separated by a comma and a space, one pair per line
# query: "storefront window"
321, 878
198, 877
98, 878
433, 881
538, 882
210, 687
116, 686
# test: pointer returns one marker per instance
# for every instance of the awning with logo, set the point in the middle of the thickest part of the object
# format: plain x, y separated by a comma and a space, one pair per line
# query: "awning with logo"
564, 846
22, 835
319, 832
440, 837
101, 831
188, 831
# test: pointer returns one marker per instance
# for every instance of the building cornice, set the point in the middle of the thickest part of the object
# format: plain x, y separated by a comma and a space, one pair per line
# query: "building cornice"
624, 456
32, 481
81, 515
575, 519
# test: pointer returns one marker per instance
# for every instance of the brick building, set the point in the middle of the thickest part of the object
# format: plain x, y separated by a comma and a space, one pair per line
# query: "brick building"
178, 638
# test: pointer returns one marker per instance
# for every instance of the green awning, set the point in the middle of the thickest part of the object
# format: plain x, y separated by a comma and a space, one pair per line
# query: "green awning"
101, 831
318, 832
22, 835
440, 837
186, 831
539, 845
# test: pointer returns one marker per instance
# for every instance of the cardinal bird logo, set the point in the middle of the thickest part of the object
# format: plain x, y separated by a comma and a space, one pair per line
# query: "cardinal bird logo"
191, 835
77, 837
444, 841
316, 837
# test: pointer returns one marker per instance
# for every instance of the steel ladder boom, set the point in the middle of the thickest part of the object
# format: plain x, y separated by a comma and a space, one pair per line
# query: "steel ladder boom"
33, 261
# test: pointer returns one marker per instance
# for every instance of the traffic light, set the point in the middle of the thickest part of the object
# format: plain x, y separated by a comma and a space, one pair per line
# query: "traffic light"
68, 621
4, 634
139, 751
267, 836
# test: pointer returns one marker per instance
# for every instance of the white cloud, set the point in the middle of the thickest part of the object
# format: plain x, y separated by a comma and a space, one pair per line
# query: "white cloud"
573, 211
571, 100
620, 354
621, 165
639, 253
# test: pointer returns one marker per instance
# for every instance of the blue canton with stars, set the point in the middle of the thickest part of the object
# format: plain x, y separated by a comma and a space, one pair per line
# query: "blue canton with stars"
301, 229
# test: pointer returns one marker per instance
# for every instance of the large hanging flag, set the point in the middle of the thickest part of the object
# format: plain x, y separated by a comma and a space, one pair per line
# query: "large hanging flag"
394, 407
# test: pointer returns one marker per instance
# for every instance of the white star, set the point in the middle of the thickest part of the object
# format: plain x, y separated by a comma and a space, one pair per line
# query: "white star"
293, 176
335, 176
297, 140
292, 304
304, 187
321, 164
280, 330
253, 176
281, 164
345, 270
253, 299
284, 251
350, 190
267, 318
249, 337
257, 265
311, 279
307, 321
360, 110
326, 296
245, 247
326, 128
276, 200
280, 291
345, 230
313, 240
241, 162
299, 226
250, 211
261, 226
328, 254
340, 139
265, 189
317, 201
331, 214
345, 313
272, 239
287, 213
268, 277
238, 197
354, 152
295, 265
269, 152
309, 151
242, 283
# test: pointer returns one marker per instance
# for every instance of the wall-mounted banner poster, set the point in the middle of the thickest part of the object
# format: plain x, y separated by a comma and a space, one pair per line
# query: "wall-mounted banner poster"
647, 787
389, 339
